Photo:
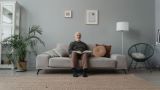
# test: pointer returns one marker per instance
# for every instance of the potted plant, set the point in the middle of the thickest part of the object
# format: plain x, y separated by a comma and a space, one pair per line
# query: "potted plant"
22, 45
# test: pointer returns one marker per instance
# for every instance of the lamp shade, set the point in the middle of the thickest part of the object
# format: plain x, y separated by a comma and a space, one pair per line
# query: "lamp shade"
122, 26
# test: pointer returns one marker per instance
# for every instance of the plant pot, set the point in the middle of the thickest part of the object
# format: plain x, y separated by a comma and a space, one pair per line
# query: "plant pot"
21, 66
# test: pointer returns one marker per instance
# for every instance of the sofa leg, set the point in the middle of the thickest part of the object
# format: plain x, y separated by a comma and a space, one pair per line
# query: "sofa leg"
130, 65
38, 71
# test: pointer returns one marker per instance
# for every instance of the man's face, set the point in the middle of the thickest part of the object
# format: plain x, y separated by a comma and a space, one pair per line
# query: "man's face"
77, 36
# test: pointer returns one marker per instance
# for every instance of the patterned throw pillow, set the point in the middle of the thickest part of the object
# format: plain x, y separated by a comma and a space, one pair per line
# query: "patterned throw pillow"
99, 51
108, 49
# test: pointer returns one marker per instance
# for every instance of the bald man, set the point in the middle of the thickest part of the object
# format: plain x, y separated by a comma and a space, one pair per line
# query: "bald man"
78, 45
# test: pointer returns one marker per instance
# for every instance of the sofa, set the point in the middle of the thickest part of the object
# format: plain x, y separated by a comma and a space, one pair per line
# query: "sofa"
58, 58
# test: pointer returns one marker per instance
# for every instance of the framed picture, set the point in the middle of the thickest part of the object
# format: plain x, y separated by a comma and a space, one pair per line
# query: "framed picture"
91, 16
67, 13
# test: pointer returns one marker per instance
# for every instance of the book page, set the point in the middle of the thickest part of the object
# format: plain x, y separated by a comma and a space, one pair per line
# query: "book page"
77, 52
87, 51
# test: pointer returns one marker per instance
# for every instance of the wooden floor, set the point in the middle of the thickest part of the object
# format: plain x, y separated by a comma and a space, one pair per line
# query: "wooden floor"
153, 77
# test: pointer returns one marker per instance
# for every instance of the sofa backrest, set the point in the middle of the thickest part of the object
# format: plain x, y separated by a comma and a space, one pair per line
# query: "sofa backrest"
62, 49
65, 46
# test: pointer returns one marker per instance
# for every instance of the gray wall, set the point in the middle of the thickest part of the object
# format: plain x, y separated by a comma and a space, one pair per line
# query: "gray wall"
49, 14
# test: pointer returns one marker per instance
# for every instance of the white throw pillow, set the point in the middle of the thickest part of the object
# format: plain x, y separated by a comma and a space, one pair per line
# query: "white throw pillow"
138, 55
51, 53
62, 50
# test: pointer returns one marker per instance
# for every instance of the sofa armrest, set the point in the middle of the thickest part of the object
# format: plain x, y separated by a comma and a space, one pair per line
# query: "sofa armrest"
121, 61
42, 61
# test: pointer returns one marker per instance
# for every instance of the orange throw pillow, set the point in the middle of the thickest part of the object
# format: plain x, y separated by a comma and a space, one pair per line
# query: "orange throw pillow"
108, 49
99, 51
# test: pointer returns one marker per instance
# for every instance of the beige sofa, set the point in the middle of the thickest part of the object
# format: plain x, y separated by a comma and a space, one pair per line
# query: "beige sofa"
54, 59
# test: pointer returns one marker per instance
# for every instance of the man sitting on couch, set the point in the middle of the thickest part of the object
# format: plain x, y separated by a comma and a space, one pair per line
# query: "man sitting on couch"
76, 51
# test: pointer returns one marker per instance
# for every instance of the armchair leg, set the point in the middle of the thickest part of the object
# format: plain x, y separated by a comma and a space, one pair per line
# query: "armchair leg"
135, 65
150, 66
38, 71
125, 71
130, 65
145, 65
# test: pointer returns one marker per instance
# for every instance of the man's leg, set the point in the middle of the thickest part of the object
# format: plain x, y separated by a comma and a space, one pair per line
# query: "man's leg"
85, 58
74, 58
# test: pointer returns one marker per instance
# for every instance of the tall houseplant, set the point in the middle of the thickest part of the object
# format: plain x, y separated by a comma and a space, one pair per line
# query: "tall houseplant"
22, 44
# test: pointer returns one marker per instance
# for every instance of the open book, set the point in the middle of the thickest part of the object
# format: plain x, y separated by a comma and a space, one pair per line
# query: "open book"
80, 52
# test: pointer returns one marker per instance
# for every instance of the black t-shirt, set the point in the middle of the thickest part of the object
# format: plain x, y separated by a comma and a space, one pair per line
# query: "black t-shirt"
77, 46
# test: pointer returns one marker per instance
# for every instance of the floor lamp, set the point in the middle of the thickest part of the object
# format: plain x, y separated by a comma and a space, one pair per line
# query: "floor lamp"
122, 27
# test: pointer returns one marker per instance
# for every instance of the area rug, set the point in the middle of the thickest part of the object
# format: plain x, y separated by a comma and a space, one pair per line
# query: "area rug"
67, 82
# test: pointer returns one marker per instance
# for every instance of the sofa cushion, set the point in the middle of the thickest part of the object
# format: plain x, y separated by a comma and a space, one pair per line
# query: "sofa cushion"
101, 62
94, 62
108, 49
99, 51
60, 62
62, 50
90, 46
51, 53
138, 55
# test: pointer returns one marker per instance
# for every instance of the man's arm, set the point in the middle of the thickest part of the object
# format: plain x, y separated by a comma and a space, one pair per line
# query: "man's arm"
70, 49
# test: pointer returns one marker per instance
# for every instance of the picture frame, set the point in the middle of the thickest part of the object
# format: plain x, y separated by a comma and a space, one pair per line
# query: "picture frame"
91, 16
68, 13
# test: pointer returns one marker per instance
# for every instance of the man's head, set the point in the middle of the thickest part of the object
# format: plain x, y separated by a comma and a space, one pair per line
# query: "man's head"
77, 36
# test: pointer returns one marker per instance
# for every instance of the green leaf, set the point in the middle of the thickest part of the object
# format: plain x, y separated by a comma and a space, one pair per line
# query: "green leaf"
35, 29
21, 45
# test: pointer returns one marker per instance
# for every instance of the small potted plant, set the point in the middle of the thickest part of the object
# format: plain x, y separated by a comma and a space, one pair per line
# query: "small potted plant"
23, 44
